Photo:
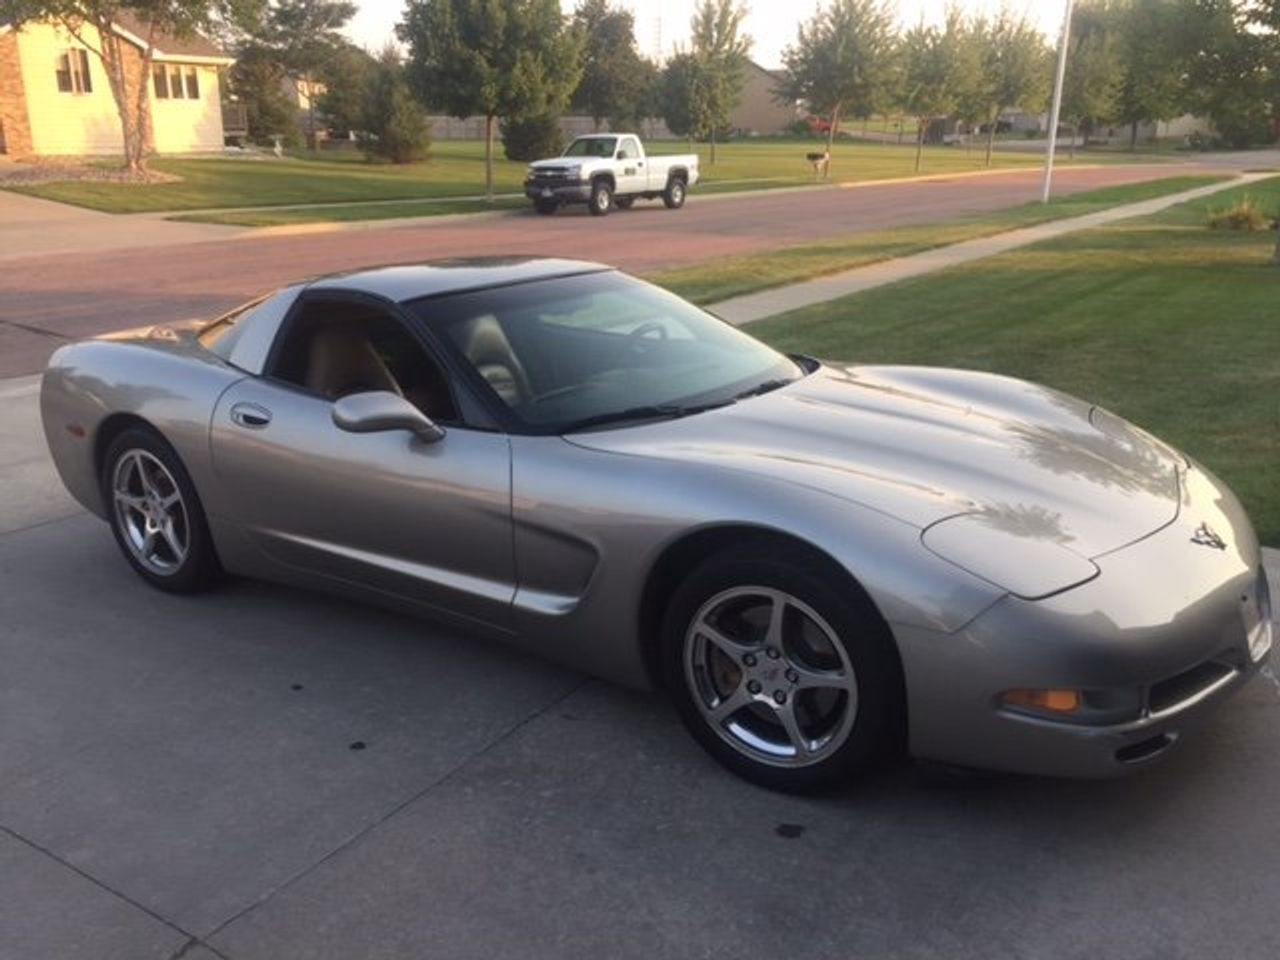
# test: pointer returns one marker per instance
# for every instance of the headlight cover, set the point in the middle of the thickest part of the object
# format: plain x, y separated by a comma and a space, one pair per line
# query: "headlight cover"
1007, 554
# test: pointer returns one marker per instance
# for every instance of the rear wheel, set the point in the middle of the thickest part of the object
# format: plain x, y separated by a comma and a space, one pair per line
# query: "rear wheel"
787, 678
601, 198
155, 514
674, 195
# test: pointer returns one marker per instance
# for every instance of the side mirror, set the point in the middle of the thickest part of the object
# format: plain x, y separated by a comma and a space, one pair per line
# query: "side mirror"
380, 410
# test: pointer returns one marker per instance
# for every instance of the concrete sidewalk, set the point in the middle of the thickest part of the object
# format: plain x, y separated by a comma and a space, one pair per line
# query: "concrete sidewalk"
30, 227
768, 303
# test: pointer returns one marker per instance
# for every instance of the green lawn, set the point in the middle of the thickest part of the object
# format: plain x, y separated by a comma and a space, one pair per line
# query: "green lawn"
1162, 320
734, 276
457, 169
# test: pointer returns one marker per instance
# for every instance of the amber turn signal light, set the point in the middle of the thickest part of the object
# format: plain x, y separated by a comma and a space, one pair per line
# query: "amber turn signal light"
1054, 701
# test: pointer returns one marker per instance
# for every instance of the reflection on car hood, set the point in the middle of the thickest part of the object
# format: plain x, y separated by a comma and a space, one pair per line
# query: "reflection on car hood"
923, 444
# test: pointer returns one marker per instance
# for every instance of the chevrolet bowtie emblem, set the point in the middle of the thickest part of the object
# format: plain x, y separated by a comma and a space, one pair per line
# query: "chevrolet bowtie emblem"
1206, 537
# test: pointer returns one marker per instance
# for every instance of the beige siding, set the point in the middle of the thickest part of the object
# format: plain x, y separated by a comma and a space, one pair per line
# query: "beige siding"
187, 126
76, 124
65, 123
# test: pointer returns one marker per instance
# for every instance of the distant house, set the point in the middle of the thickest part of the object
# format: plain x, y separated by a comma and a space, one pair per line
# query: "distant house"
758, 113
55, 99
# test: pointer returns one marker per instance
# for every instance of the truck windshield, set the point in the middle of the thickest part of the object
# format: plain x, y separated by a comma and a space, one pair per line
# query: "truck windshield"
592, 147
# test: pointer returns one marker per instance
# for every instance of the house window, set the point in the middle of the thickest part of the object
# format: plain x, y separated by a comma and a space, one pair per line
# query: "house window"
161, 77
193, 84
73, 72
175, 83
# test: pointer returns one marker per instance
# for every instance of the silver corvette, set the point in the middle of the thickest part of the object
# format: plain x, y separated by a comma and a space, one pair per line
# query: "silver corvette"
821, 564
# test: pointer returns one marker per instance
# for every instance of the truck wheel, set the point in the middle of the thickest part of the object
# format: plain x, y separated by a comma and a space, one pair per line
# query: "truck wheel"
624, 203
546, 207
601, 198
673, 196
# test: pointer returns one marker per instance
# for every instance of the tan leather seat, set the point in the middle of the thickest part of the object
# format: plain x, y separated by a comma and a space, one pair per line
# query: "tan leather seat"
341, 360
487, 347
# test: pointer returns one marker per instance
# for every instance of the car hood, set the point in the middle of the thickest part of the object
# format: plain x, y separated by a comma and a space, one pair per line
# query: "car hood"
925, 444
562, 164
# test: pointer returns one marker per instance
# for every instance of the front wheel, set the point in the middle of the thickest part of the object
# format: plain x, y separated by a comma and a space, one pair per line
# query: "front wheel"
601, 198
785, 677
155, 514
674, 195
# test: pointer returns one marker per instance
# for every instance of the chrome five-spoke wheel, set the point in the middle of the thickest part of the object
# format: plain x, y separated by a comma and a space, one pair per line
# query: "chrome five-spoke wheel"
770, 676
150, 512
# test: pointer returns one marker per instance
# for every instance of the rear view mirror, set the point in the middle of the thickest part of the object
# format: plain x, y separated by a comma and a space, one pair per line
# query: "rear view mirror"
381, 410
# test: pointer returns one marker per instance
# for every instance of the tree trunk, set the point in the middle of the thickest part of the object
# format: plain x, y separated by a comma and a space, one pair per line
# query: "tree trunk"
991, 138
1133, 136
713, 146
312, 143
902, 124
921, 125
488, 157
831, 139
1075, 132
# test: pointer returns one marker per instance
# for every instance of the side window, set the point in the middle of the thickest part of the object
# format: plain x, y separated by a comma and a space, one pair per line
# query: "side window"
335, 348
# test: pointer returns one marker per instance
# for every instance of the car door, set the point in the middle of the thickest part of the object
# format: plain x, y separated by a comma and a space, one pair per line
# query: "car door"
430, 522
630, 172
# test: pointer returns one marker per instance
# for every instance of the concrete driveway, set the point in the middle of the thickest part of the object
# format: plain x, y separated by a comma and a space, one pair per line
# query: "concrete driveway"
264, 773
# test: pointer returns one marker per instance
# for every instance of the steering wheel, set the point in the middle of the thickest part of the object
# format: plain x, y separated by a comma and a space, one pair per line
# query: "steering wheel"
647, 328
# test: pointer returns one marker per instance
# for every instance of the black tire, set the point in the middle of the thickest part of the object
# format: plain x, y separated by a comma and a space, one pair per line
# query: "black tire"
546, 207
674, 195
854, 744
601, 201
198, 569
624, 203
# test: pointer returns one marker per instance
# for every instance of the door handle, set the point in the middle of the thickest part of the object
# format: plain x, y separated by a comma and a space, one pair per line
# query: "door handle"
250, 415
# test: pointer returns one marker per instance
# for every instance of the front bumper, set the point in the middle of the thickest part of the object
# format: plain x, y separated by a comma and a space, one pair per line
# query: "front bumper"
1175, 626
562, 191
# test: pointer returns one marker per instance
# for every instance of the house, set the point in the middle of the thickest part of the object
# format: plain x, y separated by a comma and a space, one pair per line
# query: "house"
55, 99
759, 113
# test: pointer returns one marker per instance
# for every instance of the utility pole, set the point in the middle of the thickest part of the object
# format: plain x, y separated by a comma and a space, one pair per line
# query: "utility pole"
1057, 102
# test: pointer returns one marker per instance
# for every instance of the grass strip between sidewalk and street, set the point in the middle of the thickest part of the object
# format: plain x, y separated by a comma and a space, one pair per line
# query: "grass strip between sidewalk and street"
1160, 319
728, 277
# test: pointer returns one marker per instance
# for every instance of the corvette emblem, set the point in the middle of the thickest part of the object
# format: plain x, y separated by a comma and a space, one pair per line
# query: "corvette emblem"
1206, 537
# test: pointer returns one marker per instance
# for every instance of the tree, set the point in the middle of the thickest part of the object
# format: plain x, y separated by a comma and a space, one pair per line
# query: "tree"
1014, 67
395, 127
305, 35
1154, 63
720, 50
842, 62
348, 78
679, 102
510, 58
613, 72
1233, 74
129, 78
257, 80
937, 67
1091, 87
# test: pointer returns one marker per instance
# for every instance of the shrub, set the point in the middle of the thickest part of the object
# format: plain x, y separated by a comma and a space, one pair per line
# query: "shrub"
532, 138
396, 126
1244, 214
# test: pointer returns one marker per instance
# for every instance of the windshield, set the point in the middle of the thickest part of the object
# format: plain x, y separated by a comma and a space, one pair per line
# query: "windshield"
592, 147
602, 348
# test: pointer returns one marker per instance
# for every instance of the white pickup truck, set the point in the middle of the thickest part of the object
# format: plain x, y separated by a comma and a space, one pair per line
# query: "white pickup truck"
606, 170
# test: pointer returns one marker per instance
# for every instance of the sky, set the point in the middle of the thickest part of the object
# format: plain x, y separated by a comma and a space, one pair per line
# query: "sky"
661, 24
